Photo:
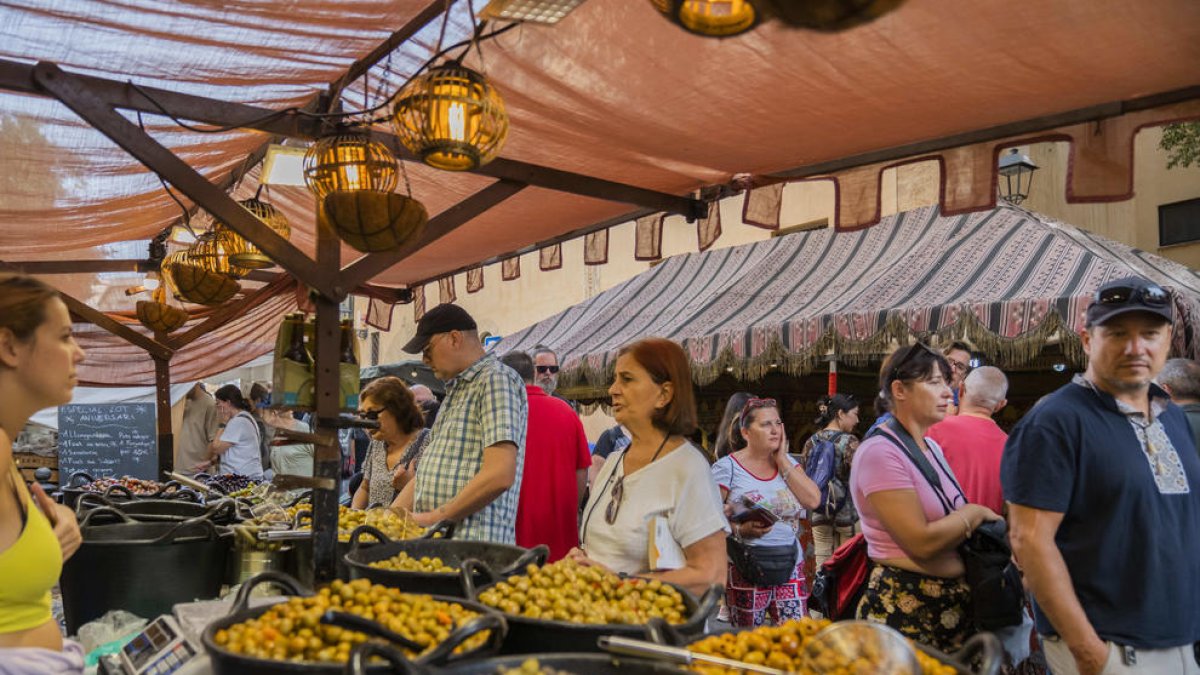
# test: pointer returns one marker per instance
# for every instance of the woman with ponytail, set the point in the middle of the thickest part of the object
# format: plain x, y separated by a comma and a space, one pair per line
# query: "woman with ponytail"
837, 419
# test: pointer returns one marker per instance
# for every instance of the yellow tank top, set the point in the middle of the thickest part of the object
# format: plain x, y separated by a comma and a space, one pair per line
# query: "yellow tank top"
29, 568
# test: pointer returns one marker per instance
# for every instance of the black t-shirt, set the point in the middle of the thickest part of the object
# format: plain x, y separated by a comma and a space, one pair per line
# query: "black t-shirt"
1130, 535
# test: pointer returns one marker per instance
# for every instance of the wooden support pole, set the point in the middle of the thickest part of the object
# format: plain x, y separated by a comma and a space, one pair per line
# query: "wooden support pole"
328, 457
162, 400
156, 348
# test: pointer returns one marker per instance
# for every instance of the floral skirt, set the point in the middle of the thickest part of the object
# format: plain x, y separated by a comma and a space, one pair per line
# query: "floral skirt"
930, 610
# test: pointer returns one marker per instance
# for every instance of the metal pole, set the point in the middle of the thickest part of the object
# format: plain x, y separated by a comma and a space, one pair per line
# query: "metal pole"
832, 376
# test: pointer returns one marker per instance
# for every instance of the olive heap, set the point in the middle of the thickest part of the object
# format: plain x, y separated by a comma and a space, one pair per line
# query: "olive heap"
568, 591
530, 667
137, 486
394, 525
786, 647
403, 562
292, 630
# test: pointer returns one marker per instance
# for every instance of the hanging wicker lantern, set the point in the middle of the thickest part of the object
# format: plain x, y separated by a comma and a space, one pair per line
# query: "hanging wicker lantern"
213, 249
196, 284
349, 161
827, 15
157, 315
373, 221
711, 18
249, 257
451, 117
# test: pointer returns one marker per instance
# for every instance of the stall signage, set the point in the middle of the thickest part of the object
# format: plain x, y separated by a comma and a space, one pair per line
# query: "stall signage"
108, 440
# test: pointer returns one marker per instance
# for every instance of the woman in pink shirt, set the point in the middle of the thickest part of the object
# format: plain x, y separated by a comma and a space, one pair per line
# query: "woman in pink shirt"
916, 584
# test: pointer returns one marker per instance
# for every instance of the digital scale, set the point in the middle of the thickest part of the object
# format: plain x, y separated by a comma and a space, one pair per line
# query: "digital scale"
160, 649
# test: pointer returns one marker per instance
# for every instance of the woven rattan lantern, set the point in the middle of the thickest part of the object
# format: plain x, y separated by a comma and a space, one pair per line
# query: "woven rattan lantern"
157, 315
249, 257
711, 18
196, 284
451, 117
213, 249
372, 221
349, 161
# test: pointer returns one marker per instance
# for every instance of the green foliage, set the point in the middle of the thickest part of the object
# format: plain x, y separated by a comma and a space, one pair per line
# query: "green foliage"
1182, 143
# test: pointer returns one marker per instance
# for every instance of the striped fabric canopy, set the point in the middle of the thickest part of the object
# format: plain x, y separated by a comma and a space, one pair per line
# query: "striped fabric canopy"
1008, 280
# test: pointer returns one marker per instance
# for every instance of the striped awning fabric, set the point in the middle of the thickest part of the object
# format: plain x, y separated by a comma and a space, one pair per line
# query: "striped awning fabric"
1006, 279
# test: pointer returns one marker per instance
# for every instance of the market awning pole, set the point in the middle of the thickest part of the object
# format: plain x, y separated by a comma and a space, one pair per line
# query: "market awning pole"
328, 457
162, 400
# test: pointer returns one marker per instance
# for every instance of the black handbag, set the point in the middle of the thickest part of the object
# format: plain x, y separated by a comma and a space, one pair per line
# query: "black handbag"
997, 594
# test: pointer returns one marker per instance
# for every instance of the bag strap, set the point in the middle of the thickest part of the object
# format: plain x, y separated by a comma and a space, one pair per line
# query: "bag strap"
914, 454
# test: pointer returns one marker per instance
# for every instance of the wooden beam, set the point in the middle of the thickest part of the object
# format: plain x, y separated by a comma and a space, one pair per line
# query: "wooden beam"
76, 266
227, 312
95, 316
162, 400
76, 94
361, 66
439, 226
19, 77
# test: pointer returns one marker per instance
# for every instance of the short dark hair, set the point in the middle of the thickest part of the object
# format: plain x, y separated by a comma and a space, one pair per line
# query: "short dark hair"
232, 395
397, 399
830, 406
960, 346
258, 393
520, 362
907, 364
666, 361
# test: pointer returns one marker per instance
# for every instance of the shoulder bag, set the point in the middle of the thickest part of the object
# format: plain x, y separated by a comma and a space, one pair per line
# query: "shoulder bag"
997, 595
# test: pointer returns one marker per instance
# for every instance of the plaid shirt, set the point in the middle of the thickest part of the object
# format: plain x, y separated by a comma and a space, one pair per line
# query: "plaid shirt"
484, 405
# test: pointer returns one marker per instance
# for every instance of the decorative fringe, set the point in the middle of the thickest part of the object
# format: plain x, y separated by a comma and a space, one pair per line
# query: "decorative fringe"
590, 384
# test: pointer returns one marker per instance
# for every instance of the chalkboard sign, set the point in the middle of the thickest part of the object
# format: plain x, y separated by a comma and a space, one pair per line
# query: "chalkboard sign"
108, 440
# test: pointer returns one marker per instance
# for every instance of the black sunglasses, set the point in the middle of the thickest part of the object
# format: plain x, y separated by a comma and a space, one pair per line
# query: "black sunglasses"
1152, 295
912, 352
370, 414
542, 370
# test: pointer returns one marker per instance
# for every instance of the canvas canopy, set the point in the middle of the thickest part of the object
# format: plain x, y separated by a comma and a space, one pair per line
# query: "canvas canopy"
1007, 279
614, 94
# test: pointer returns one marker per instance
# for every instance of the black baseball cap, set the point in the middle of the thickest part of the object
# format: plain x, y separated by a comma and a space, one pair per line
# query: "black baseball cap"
441, 319
1131, 294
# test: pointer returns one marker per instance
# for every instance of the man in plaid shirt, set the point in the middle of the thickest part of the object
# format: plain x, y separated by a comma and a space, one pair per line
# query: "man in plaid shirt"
471, 470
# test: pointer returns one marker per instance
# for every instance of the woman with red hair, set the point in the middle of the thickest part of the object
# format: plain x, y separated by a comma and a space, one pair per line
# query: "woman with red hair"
659, 484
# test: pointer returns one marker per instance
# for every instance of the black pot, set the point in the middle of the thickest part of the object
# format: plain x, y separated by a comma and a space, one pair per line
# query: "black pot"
221, 512
985, 646
582, 664
492, 563
299, 561
225, 662
142, 567
535, 636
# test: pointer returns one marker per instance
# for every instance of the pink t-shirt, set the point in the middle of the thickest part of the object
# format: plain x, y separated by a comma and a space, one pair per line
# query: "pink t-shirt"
879, 465
973, 447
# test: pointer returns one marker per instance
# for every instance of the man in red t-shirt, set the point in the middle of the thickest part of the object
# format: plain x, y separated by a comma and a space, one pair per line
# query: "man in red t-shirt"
972, 441
555, 470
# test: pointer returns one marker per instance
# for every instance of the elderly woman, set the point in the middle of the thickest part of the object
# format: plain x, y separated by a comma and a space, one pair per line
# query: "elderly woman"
395, 445
912, 525
764, 475
38, 357
659, 480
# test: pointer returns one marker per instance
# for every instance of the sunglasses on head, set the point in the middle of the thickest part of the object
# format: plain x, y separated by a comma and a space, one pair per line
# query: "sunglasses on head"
755, 404
542, 370
917, 348
1152, 295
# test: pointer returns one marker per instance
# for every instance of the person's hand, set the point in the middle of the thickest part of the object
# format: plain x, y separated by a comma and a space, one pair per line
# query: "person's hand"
579, 556
1090, 658
403, 474
985, 514
780, 453
751, 529
66, 528
425, 518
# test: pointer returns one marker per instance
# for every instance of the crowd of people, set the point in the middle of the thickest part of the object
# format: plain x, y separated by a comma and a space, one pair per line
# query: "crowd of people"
1099, 483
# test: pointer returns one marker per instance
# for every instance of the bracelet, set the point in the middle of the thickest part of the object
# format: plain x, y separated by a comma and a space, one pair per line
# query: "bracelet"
966, 522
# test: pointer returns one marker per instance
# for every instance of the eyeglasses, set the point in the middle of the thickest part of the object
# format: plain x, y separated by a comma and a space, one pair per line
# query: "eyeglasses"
370, 414
1152, 295
428, 350
959, 365
912, 352
542, 370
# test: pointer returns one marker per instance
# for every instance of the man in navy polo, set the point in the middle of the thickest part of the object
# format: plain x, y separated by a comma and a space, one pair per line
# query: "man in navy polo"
1103, 486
